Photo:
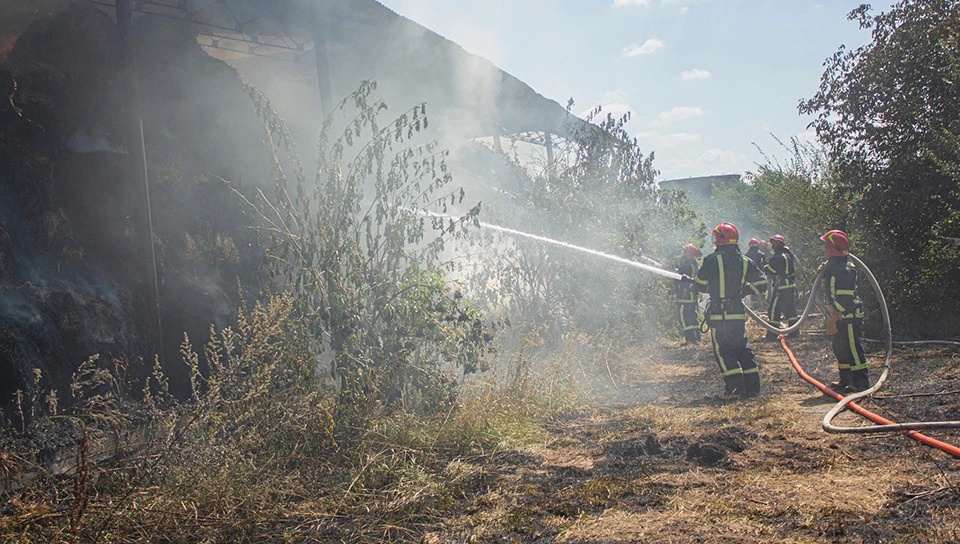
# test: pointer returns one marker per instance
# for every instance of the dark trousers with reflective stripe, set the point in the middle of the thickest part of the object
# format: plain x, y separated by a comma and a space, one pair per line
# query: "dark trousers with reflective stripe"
689, 322
735, 357
851, 360
782, 303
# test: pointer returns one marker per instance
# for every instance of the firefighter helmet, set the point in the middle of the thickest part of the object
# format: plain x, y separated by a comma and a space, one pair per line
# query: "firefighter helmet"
724, 234
753, 242
764, 245
691, 251
777, 241
838, 243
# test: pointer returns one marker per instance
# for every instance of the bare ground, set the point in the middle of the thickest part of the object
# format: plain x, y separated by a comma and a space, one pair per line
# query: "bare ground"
669, 460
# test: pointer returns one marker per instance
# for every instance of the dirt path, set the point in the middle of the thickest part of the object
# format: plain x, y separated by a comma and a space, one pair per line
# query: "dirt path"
669, 460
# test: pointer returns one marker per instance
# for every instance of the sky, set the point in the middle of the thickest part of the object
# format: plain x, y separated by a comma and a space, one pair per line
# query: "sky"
711, 85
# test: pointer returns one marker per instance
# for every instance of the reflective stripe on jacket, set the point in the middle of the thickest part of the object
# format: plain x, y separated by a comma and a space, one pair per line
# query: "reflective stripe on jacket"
781, 269
724, 274
840, 280
686, 293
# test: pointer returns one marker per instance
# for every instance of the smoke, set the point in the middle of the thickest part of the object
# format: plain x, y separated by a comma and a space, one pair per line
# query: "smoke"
17, 307
200, 126
91, 140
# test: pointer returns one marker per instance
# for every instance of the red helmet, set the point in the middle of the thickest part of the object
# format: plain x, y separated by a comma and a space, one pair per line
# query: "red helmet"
838, 244
691, 251
724, 234
764, 244
753, 242
777, 241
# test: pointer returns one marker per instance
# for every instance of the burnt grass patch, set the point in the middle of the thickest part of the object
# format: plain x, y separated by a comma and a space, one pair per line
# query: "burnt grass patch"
685, 469
677, 470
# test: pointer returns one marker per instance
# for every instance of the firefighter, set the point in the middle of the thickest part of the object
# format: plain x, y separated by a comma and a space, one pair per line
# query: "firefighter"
687, 295
727, 275
753, 253
764, 250
764, 255
845, 320
781, 271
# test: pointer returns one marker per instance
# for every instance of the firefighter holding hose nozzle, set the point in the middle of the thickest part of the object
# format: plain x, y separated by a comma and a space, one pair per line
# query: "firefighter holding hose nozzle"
845, 319
687, 295
727, 276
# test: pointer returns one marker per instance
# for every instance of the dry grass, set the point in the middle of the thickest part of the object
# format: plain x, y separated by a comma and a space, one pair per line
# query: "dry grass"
660, 458
690, 467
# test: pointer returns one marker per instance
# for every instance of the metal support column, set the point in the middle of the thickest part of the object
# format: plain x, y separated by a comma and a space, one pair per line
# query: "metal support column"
138, 168
323, 72
548, 142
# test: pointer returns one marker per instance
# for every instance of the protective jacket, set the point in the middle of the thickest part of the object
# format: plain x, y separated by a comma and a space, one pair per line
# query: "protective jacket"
780, 269
727, 275
754, 255
757, 256
840, 279
687, 299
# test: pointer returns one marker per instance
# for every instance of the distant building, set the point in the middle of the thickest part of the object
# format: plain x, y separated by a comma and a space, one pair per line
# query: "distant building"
701, 187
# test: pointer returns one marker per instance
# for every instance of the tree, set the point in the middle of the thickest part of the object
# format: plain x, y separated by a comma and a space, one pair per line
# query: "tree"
889, 113
796, 198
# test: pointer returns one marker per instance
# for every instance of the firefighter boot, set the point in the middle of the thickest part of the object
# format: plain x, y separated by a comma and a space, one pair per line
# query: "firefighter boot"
751, 385
845, 381
793, 321
772, 336
734, 385
860, 379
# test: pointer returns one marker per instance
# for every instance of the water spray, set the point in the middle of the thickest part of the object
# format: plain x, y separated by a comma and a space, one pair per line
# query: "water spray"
883, 425
595, 253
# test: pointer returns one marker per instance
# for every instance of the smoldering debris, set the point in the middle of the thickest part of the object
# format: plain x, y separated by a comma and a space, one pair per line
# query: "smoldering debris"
72, 282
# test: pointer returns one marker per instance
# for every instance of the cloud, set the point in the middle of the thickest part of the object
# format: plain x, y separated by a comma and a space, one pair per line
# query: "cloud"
713, 161
675, 115
808, 136
717, 156
679, 138
658, 141
613, 102
650, 46
695, 74
622, 3
616, 95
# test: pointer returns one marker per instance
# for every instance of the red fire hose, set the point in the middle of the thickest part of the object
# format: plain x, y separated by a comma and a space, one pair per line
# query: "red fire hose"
883, 425
943, 446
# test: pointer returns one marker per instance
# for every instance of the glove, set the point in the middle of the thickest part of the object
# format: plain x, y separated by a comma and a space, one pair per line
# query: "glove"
832, 322
685, 279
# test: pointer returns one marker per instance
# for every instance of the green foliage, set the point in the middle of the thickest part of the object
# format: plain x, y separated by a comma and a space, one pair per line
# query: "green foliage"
354, 252
796, 198
598, 193
889, 113
253, 455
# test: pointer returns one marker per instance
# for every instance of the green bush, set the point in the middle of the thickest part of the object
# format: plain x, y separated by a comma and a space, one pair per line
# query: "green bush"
355, 251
